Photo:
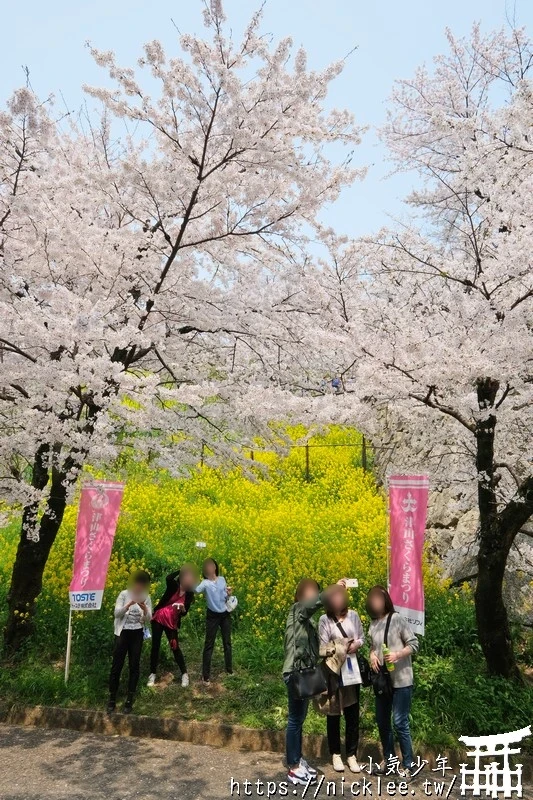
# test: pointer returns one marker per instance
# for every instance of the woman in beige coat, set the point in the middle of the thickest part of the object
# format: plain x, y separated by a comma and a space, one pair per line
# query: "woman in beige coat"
341, 635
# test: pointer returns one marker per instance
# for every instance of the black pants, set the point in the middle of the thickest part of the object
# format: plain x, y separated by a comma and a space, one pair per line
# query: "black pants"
351, 717
213, 622
129, 643
157, 633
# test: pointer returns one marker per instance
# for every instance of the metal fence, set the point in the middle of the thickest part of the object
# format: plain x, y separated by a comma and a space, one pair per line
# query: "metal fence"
364, 447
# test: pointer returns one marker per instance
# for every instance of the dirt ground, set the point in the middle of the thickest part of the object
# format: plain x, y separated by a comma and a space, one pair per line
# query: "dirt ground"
37, 764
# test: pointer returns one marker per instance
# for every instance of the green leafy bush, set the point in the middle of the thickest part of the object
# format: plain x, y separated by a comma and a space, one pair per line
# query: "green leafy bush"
267, 533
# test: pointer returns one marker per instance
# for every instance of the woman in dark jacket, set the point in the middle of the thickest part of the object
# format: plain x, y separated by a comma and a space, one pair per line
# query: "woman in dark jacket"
167, 617
301, 646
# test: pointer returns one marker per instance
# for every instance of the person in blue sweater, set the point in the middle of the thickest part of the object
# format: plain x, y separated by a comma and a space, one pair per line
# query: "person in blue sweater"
216, 592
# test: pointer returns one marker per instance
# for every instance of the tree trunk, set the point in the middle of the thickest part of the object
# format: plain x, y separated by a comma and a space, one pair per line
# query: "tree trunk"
36, 539
494, 545
38, 533
492, 620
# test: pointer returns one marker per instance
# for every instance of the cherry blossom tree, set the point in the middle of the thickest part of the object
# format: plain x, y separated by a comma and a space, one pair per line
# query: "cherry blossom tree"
150, 281
435, 315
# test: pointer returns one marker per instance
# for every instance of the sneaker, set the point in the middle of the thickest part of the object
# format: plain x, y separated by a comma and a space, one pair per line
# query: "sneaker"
128, 706
184, 680
111, 706
151, 679
405, 775
338, 766
206, 682
301, 776
304, 765
353, 764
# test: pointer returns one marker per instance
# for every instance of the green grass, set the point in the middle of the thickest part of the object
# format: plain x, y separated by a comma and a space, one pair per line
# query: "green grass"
258, 531
453, 694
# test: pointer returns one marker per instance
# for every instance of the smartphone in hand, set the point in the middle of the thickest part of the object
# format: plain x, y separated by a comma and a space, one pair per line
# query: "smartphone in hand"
352, 583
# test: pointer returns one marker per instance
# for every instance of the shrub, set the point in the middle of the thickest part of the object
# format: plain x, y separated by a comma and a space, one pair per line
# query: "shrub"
266, 533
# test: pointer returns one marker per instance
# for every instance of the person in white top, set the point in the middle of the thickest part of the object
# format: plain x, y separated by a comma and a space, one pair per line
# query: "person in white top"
341, 623
133, 610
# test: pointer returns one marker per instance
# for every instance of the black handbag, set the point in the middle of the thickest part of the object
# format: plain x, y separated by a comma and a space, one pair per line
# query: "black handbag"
307, 682
365, 669
381, 681
362, 662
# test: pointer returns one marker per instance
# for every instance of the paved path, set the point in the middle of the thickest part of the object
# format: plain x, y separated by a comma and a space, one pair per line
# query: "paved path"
37, 764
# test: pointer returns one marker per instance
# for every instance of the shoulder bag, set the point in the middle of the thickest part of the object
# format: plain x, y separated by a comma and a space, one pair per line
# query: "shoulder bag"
364, 666
381, 681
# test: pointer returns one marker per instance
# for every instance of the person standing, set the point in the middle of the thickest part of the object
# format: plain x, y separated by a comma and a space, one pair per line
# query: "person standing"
400, 643
301, 648
216, 592
167, 618
133, 610
341, 624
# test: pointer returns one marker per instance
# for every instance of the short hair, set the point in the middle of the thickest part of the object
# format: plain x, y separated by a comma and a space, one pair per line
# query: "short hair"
305, 583
142, 577
389, 605
209, 561
335, 589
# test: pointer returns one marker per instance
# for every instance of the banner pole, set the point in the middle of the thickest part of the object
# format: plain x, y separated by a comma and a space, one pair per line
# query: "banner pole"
388, 538
69, 645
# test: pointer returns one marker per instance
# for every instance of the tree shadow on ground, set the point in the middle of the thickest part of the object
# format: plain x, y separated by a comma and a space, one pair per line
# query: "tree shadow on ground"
39, 764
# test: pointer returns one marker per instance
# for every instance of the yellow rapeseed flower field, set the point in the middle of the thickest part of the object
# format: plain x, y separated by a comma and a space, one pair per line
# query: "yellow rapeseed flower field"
267, 532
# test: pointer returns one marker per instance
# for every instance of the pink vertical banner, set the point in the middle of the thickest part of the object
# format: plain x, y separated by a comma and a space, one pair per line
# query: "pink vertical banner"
97, 522
408, 502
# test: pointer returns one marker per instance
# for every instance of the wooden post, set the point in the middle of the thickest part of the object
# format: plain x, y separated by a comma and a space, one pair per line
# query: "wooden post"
69, 645
307, 473
363, 454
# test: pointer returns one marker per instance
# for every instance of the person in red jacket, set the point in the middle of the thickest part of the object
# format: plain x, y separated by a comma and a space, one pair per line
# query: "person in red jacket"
167, 617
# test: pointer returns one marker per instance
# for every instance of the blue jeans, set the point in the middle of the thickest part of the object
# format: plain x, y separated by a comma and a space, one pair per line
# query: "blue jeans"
399, 708
297, 713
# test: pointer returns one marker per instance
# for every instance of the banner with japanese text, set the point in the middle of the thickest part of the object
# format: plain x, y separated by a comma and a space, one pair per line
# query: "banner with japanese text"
408, 500
97, 522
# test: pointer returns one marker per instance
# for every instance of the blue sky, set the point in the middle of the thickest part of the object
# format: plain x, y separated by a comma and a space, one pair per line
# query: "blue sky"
392, 38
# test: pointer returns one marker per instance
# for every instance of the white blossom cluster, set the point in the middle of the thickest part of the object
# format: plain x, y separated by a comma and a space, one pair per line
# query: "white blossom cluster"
152, 283
159, 290
435, 314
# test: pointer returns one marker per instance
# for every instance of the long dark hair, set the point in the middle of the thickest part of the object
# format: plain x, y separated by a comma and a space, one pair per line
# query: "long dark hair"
209, 561
389, 605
